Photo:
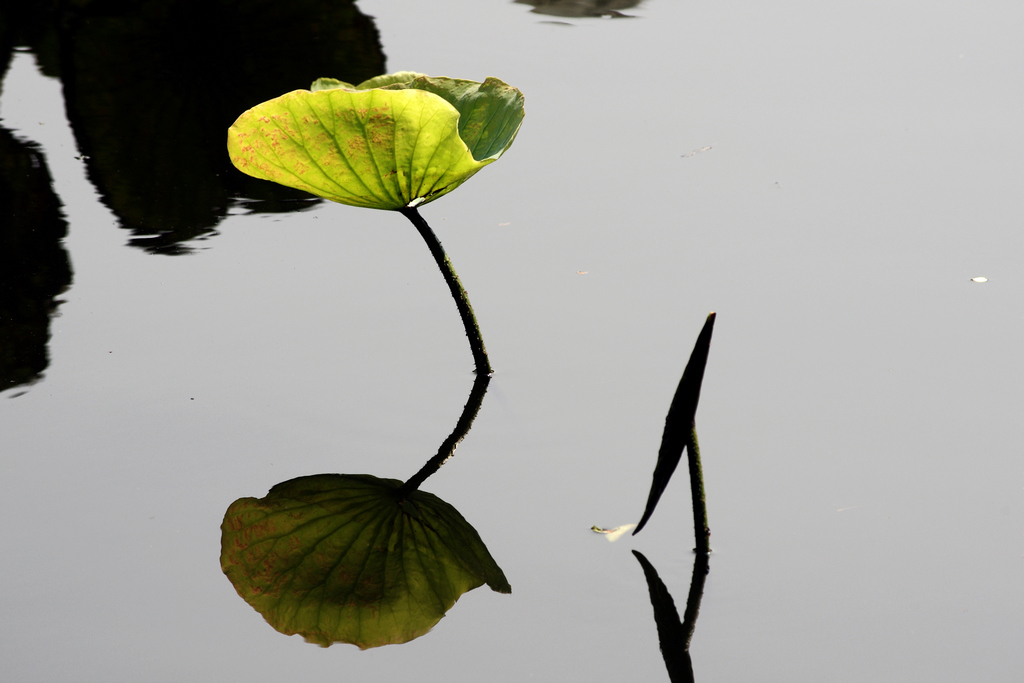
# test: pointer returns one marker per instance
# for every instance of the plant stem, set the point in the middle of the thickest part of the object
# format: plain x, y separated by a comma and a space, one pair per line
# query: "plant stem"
701, 532
476, 341
447, 449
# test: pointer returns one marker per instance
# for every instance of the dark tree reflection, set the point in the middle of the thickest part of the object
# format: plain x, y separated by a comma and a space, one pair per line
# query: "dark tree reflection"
152, 86
34, 268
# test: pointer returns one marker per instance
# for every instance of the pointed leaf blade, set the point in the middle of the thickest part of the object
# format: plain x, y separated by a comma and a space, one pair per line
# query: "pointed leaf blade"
679, 421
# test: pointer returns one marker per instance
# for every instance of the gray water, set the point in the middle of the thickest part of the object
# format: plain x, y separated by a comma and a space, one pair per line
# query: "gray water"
860, 417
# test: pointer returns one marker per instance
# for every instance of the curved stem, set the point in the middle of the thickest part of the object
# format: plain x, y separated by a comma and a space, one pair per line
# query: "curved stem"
476, 341
447, 449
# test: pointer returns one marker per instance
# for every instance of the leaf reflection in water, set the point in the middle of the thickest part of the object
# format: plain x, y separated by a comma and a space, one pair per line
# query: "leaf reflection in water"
354, 558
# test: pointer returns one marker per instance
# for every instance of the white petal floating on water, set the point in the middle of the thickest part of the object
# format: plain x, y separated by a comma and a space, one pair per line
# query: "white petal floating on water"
618, 532
979, 279
613, 534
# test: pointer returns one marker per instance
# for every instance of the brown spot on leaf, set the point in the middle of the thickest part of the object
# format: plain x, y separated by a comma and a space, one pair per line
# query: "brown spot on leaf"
356, 146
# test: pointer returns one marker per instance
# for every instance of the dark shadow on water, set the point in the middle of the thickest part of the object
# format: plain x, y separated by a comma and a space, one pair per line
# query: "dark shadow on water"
353, 558
151, 87
674, 635
34, 267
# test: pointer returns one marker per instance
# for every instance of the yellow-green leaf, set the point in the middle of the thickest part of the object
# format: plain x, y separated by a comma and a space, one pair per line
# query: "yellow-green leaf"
393, 141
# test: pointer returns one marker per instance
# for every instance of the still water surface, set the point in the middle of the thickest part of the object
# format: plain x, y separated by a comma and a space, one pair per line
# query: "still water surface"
860, 418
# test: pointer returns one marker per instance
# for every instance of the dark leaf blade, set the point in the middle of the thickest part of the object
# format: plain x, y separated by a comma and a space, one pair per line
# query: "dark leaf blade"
679, 421
342, 558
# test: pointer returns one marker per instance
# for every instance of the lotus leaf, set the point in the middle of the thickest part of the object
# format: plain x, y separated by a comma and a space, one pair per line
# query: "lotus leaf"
344, 558
390, 142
